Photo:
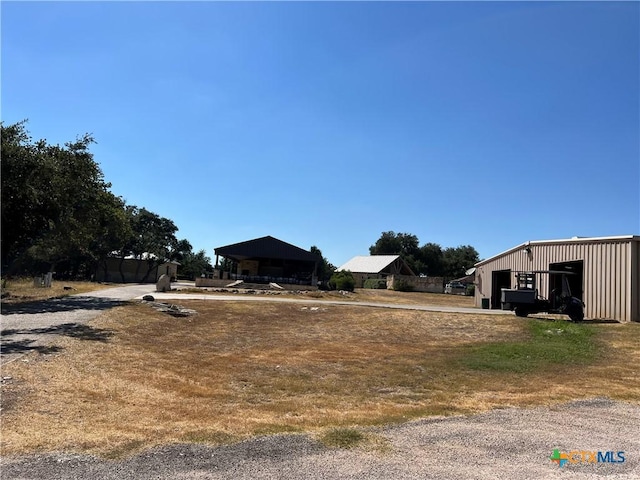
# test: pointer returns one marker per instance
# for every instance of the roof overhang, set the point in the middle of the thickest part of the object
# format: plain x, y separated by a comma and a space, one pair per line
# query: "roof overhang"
266, 247
618, 238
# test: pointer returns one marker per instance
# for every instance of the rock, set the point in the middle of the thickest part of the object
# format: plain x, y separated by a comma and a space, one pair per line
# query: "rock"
148, 298
164, 283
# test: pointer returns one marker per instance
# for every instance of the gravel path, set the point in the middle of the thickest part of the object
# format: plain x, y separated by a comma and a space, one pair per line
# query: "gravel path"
34, 326
501, 444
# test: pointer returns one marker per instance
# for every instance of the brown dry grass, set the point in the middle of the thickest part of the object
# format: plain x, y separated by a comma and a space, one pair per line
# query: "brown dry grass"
240, 369
413, 298
21, 290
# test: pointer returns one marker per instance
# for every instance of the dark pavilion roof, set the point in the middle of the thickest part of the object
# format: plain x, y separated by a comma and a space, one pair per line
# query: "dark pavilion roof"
266, 247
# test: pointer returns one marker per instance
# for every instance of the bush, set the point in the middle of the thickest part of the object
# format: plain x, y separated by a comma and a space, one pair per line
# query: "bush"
471, 290
342, 280
402, 286
380, 283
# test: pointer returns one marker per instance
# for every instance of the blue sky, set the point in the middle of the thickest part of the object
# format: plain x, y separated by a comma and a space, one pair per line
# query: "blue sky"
327, 123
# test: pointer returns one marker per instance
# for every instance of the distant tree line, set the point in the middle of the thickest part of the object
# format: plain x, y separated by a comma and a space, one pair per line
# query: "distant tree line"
429, 259
58, 214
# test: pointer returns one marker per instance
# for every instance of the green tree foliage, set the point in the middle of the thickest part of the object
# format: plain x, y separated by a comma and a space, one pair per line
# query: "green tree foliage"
392, 243
57, 210
193, 265
325, 268
59, 214
403, 244
432, 258
152, 238
429, 259
459, 259
342, 280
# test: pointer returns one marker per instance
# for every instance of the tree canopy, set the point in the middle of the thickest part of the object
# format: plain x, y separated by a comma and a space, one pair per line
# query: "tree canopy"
325, 268
58, 212
429, 259
57, 209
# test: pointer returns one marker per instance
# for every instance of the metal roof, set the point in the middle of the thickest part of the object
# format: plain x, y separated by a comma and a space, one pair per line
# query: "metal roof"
617, 238
266, 247
369, 263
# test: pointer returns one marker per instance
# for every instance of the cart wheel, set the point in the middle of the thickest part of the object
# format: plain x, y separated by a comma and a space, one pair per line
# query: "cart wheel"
521, 312
577, 316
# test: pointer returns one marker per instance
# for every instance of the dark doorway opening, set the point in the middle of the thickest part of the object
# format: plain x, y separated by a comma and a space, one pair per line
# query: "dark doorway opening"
499, 279
575, 278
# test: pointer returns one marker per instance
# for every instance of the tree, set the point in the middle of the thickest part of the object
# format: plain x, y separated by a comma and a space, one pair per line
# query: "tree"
457, 260
432, 258
195, 264
56, 206
391, 243
23, 203
429, 259
152, 239
403, 244
342, 280
325, 268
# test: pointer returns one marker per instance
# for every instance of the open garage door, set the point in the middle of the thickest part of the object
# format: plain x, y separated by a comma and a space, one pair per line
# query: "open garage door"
576, 280
499, 279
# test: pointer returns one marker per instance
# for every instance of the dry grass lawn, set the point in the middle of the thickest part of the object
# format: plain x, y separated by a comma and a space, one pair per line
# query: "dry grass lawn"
21, 290
241, 369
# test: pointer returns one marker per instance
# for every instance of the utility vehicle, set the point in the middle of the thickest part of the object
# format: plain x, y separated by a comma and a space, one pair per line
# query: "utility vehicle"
525, 299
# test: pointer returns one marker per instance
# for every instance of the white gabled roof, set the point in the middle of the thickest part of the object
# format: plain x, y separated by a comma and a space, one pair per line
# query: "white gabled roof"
369, 263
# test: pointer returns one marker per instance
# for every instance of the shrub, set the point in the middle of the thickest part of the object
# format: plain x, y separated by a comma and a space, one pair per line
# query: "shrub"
342, 280
380, 283
402, 286
471, 290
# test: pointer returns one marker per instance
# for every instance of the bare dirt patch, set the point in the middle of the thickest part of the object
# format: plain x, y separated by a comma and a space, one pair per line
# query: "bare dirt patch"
238, 369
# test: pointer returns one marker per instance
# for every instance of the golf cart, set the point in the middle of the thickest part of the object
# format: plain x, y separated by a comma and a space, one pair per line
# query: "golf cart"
524, 299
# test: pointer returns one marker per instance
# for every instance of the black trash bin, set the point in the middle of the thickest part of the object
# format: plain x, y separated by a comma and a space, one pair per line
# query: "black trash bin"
485, 304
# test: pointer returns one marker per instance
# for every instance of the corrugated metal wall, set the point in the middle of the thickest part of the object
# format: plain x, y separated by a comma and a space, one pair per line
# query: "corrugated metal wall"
611, 275
634, 282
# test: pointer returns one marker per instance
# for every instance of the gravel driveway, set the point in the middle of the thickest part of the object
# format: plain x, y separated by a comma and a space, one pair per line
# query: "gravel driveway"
501, 444
33, 326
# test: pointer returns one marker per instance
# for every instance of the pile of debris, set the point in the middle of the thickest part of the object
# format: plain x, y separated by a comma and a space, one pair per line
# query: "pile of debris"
169, 308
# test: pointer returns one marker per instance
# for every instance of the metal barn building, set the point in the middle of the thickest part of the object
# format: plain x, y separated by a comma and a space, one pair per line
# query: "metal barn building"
606, 273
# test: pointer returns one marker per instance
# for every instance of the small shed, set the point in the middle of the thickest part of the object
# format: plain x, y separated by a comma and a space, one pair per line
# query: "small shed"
605, 273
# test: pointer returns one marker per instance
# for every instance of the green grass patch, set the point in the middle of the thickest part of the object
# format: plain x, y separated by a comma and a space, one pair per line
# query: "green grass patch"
342, 438
550, 343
